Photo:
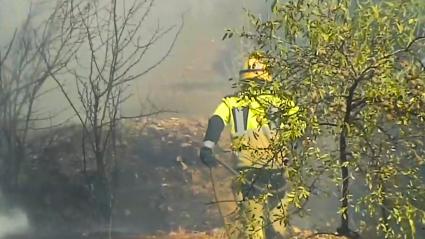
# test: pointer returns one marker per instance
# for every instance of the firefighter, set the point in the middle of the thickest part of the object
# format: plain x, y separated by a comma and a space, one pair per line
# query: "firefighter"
249, 116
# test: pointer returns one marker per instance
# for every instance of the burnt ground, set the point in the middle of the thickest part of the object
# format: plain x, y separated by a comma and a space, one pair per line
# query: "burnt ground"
165, 176
161, 185
162, 189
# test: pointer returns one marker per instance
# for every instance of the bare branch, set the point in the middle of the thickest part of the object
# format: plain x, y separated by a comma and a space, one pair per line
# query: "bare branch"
131, 78
147, 115
406, 49
9, 48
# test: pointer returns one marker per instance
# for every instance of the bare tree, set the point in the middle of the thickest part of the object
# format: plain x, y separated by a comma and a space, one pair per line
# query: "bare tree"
23, 72
113, 55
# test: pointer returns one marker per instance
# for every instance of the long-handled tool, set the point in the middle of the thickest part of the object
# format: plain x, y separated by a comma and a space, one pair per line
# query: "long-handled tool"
258, 187
218, 205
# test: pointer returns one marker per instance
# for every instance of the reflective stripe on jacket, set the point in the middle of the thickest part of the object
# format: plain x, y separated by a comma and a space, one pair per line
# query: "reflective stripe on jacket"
252, 128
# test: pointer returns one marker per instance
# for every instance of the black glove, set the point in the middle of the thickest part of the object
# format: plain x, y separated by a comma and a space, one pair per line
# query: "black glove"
207, 157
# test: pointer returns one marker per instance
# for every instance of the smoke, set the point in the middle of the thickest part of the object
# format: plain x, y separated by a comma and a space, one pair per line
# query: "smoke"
12, 220
195, 76
191, 80
12, 15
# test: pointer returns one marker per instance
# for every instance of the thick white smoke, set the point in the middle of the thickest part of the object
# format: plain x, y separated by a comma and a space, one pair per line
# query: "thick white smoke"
12, 220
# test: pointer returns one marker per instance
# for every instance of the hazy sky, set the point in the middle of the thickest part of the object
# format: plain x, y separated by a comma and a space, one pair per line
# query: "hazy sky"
195, 75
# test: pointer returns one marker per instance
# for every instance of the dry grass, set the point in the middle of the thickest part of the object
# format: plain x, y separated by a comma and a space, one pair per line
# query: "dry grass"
183, 234
220, 234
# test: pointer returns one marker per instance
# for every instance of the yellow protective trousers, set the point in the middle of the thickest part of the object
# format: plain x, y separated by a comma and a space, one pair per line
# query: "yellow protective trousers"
262, 210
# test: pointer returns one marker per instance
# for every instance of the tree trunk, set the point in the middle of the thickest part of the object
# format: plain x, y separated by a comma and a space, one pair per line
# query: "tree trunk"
345, 180
102, 191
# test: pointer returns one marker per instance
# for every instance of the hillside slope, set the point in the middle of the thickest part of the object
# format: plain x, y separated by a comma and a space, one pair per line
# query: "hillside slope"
162, 189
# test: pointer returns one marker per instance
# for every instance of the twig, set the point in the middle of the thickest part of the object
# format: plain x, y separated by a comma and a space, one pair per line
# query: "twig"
147, 114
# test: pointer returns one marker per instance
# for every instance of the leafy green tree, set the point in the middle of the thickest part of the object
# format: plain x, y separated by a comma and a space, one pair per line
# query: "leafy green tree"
355, 68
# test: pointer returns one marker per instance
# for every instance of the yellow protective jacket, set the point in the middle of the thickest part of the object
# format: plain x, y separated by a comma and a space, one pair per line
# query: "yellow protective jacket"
252, 129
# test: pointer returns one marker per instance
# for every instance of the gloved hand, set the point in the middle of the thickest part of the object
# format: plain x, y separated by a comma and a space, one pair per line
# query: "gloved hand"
207, 157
